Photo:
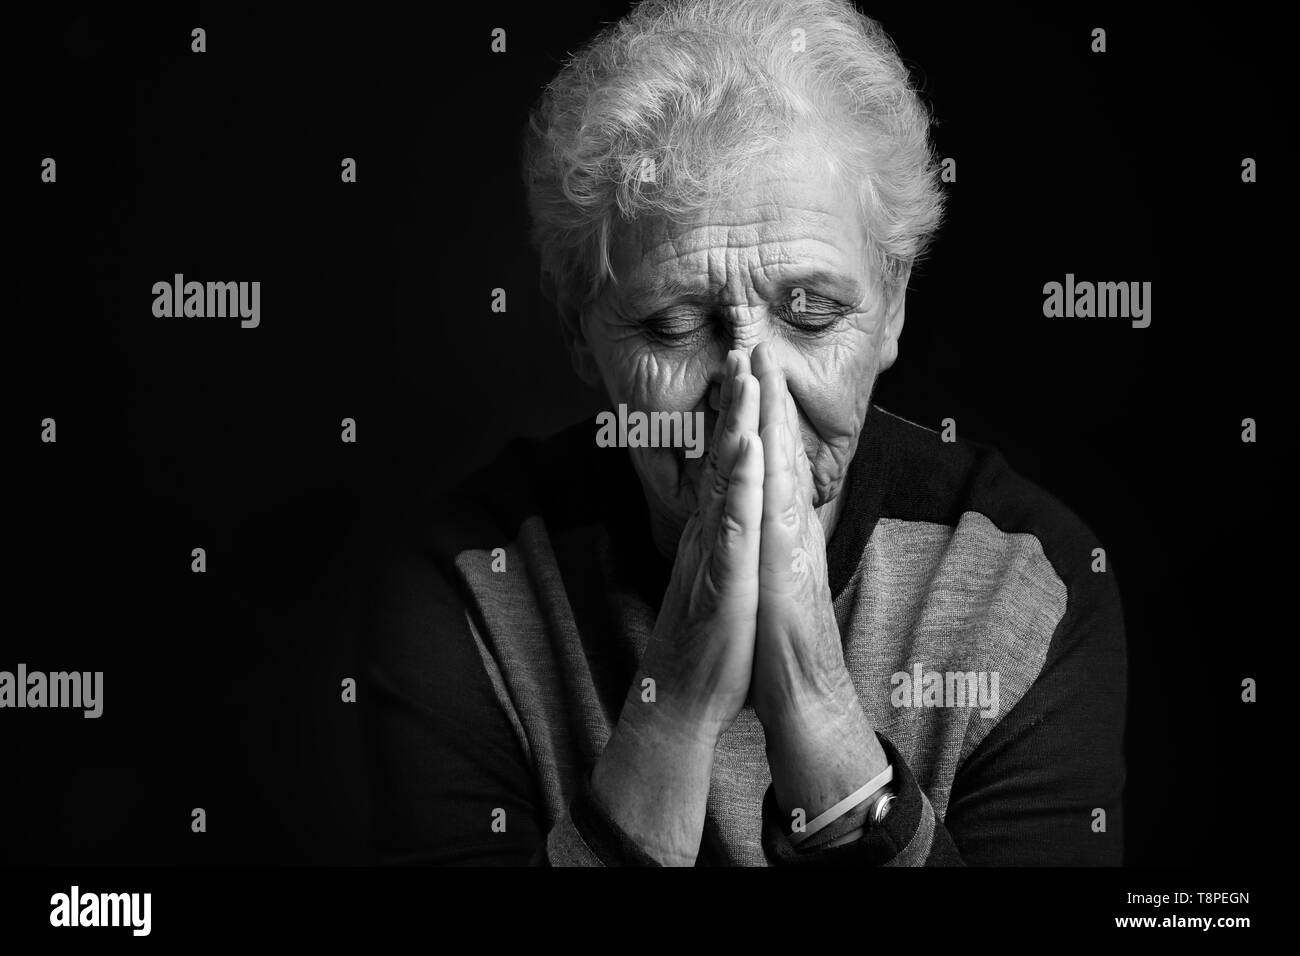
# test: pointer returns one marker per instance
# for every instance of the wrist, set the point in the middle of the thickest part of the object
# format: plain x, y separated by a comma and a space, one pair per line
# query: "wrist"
792, 694
804, 719
671, 721
821, 756
652, 780
855, 824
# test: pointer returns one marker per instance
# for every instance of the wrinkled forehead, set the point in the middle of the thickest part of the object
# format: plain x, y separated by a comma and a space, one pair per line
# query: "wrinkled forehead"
790, 223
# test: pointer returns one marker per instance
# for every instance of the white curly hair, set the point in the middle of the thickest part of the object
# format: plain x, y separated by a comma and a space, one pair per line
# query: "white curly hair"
705, 89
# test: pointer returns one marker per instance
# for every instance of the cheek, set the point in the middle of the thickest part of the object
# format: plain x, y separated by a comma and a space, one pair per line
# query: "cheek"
831, 386
648, 377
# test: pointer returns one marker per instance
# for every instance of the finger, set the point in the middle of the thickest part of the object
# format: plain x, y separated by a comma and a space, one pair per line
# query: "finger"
730, 369
725, 391
781, 557
742, 417
747, 411
707, 483
733, 564
776, 392
779, 408
742, 363
802, 465
772, 390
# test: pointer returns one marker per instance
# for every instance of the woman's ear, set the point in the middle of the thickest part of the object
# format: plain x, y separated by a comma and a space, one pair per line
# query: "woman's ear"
894, 316
573, 329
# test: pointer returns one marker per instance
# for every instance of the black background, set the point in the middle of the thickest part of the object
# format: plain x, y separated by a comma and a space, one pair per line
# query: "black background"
222, 690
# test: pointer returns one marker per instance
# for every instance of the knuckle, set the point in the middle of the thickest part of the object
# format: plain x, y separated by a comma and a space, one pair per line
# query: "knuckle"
711, 462
788, 516
739, 482
710, 590
693, 539
730, 526
720, 484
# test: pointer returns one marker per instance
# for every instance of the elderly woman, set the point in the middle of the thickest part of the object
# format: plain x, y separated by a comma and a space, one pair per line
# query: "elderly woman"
834, 637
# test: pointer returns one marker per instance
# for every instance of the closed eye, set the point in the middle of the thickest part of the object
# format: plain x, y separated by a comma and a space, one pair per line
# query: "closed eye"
810, 315
674, 326
813, 314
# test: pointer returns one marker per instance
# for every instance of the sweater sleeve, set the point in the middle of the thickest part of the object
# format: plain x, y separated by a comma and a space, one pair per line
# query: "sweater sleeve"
446, 763
450, 781
1042, 789
911, 834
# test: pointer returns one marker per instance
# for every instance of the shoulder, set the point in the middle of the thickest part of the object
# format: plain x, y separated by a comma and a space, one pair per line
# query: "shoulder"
947, 482
560, 479
534, 504
1006, 532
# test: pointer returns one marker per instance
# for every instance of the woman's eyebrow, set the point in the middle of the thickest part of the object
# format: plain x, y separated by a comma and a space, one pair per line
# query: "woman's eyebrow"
651, 298
842, 289
653, 294
657, 289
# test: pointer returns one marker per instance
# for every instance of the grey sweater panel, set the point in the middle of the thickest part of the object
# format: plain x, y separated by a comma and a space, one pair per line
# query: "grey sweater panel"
969, 599
985, 650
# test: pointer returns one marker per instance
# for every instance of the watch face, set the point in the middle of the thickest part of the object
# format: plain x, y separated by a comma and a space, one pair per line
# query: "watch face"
881, 808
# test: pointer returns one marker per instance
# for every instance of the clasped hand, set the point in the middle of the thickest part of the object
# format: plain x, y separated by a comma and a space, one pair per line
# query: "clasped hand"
748, 615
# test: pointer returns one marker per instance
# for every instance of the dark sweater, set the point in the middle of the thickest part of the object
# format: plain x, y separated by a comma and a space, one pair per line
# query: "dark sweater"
491, 693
